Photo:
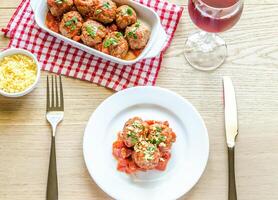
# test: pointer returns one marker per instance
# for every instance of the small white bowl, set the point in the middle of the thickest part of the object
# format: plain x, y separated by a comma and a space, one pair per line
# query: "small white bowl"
13, 51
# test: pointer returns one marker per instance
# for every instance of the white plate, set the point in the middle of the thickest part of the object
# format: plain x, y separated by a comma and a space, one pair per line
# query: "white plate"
189, 153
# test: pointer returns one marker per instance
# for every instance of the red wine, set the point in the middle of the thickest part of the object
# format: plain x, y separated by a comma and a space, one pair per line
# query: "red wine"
215, 15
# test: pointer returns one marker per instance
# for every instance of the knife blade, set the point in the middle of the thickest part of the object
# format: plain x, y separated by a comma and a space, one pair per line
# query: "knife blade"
231, 127
231, 123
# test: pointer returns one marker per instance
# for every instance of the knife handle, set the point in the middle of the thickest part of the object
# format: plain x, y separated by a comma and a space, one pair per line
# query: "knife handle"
232, 179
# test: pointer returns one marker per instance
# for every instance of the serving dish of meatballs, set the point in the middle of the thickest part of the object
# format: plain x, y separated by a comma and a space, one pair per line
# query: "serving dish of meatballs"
143, 145
122, 31
131, 156
100, 24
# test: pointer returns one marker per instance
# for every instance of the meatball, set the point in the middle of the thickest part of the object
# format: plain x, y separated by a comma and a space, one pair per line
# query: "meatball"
146, 155
85, 7
115, 44
135, 129
162, 135
92, 33
125, 16
137, 35
59, 7
105, 11
71, 24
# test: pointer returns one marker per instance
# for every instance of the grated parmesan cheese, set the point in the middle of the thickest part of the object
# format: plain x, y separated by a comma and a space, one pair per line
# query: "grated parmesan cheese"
17, 73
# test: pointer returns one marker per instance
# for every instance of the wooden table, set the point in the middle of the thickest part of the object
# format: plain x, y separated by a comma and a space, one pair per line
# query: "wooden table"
253, 65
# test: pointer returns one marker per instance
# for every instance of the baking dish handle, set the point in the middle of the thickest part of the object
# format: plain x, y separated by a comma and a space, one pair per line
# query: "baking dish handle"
34, 4
158, 44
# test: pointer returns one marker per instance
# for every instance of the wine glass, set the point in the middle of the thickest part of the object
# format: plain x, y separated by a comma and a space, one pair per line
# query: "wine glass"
205, 50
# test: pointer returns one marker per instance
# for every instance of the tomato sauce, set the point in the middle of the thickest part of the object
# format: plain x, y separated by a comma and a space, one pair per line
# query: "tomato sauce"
52, 22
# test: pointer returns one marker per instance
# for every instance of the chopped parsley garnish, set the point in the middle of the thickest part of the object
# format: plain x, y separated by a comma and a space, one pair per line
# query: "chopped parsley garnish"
133, 32
137, 24
158, 137
97, 11
119, 34
158, 129
137, 125
72, 23
109, 42
92, 30
107, 5
60, 1
133, 137
129, 11
149, 152
150, 149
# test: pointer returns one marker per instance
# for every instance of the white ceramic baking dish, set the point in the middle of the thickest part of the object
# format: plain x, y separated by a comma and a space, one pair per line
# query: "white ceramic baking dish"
157, 39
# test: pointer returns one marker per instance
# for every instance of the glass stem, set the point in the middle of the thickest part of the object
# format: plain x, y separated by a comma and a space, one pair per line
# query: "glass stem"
207, 37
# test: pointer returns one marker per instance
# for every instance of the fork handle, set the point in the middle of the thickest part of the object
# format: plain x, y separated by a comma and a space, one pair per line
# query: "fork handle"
52, 183
232, 179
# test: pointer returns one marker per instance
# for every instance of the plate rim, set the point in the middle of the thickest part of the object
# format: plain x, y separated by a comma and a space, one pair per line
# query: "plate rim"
163, 90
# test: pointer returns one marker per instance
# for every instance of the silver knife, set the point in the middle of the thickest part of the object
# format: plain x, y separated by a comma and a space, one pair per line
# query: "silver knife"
231, 127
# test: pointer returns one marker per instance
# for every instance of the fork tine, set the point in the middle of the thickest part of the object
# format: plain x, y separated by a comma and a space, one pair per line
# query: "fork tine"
56, 92
47, 94
61, 94
52, 92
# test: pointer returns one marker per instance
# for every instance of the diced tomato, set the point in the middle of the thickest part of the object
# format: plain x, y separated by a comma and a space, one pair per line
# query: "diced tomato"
132, 167
151, 122
122, 165
52, 23
162, 164
101, 48
118, 144
120, 150
137, 52
127, 166
77, 38
173, 137
125, 152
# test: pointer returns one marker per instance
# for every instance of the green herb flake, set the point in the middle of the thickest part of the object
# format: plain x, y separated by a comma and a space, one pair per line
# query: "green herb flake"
132, 34
60, 1
119, 34
74, 19
135, 36
109, 42
107, 5
129, 11
92, 30
68, 23
72, 23
73, 27
158, 129
137, 24
133, 137
98, 11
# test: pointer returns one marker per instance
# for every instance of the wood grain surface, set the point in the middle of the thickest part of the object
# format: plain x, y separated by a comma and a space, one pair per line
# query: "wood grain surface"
253, 66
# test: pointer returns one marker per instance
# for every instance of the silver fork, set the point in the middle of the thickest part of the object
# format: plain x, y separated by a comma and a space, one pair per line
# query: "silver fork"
54, 115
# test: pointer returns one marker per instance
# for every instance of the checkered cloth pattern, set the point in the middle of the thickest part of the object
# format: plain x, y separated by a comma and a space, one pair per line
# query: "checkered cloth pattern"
61, 58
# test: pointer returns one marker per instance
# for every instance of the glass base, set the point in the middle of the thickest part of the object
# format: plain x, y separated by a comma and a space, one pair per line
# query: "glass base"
205, 51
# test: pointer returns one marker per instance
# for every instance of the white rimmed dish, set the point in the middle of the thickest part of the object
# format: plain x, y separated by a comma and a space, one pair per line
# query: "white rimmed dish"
189, 152
149, 16
13, 51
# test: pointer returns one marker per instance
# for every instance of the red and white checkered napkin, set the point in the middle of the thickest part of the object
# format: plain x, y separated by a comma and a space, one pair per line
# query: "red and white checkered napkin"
61, 58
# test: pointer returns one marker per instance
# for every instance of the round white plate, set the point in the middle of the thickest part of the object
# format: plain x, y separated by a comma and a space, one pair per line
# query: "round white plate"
189, 152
